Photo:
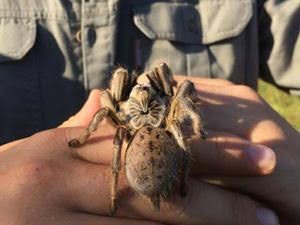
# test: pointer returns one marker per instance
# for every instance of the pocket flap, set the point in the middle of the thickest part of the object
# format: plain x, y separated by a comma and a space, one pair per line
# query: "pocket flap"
209, 21
17, 36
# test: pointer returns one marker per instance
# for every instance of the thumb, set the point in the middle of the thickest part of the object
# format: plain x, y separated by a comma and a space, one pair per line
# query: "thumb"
85, 115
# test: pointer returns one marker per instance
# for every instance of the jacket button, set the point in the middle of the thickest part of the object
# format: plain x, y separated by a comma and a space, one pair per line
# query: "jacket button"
79, 36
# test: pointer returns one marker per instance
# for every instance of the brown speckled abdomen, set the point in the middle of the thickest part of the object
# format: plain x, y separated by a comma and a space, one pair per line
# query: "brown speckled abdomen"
151, 164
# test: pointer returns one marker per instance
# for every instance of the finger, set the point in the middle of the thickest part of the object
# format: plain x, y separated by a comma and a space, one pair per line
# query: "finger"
85, 115
219, 153
253, 186
204, 81
226, 154
86, 187
84, 219
239, 110
204, 204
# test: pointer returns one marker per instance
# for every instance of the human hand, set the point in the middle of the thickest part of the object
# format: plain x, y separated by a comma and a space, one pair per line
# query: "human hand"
42, 182
238, 110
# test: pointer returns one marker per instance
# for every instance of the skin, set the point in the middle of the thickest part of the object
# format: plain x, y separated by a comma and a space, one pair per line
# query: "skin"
41, 180
80, 193
246, 115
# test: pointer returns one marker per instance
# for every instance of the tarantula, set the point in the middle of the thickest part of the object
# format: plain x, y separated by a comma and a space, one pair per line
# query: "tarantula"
157, 125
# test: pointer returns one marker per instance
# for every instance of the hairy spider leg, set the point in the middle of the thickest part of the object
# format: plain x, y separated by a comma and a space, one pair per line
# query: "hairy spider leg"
98, 117
116, 167
183, 111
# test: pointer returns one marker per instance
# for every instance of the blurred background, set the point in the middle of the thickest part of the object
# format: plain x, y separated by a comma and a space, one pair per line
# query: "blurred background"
286, 105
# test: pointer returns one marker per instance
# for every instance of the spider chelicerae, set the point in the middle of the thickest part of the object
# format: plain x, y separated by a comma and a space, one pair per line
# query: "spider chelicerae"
157, 125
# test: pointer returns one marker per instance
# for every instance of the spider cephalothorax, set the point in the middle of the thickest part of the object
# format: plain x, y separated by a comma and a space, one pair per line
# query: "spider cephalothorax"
158, 126
145, 107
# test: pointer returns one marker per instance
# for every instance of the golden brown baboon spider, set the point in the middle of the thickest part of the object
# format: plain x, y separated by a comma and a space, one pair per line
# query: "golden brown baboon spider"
157, 125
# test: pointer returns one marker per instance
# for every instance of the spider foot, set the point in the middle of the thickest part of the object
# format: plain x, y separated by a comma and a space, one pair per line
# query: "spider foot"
113, 208
74, 143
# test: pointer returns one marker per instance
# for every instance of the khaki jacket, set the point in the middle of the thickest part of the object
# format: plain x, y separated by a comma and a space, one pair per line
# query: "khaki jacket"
52, 52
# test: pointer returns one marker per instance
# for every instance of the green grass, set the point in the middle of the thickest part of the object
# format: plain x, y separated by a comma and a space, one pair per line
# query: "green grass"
286, 105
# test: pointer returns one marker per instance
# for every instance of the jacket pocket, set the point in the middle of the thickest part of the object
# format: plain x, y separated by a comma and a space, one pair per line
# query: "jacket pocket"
17, 37
20, 111
184, 34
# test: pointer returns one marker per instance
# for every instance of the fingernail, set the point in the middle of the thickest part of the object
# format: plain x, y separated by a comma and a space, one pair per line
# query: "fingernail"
262, 157
266, 216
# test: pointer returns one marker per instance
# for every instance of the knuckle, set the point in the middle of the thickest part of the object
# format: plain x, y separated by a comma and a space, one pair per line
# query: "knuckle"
243, 90
42, 134
224, 82
227, 82
68, 121
218, 150
52, 139
43, 137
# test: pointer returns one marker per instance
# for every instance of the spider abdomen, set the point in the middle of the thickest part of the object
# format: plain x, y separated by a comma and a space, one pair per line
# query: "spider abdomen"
152, 165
